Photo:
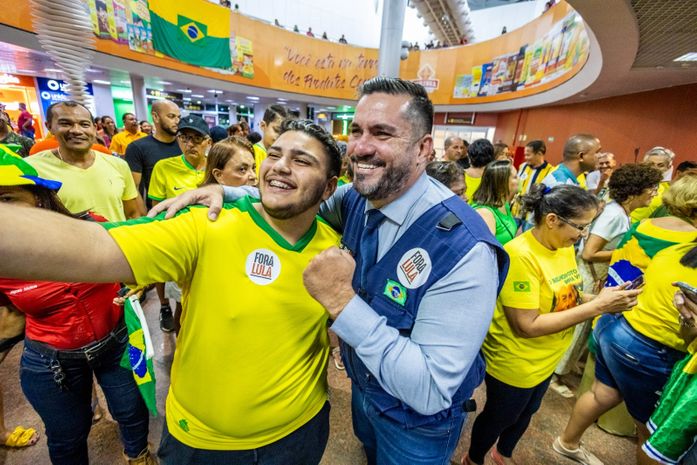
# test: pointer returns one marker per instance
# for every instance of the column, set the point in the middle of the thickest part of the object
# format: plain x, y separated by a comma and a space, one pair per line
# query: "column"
259, 109
391, 37
140, 101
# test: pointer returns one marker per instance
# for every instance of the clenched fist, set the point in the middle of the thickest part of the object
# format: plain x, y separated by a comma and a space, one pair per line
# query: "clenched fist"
328, 279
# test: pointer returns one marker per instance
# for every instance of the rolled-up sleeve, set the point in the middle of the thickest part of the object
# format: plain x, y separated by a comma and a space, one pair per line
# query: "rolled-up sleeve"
427, 368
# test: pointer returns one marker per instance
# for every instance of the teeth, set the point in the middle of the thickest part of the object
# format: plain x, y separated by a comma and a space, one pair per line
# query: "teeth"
279, 184
365, 166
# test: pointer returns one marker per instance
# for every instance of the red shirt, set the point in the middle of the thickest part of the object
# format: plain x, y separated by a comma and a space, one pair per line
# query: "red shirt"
63, 315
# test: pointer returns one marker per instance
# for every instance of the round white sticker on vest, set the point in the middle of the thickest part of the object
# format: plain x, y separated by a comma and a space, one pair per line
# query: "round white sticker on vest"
263, 266
414, 268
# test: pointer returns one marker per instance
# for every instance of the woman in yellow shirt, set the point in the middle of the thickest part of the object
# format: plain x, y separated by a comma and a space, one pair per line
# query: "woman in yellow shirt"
537, 309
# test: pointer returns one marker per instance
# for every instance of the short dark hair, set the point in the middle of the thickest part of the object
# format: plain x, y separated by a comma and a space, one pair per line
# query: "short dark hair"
493, 191
564, 200
576, 144
537, 146
480, 153
144, 121
68, 103
632, 179
685, 166
274, 112
322, 136
420, 109
254, 137
447, 172
123, 118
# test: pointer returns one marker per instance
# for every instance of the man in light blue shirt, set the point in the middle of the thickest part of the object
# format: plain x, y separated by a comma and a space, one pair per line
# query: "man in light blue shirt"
413, 329
580, 156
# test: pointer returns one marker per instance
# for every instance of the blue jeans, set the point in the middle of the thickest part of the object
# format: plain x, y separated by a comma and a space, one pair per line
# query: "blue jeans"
388, 443
67, 412
304, 446
632, 363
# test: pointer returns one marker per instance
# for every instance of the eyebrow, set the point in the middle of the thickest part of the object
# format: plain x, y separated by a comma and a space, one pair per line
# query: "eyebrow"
295, 152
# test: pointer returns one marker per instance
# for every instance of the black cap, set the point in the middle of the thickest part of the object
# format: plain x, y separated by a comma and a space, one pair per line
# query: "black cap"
194, 122
218, 133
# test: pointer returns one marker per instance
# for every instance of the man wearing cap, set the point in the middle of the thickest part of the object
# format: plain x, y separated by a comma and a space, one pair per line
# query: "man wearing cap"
92, 181
170, 177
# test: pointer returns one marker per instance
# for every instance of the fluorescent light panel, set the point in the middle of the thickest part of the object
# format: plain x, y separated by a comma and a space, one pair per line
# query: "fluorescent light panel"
692, 56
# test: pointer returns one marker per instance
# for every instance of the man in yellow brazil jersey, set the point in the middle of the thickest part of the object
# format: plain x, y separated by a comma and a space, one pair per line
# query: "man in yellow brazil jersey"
248, 381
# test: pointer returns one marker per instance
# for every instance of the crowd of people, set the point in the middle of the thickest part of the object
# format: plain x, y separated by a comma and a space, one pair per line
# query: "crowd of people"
434, 276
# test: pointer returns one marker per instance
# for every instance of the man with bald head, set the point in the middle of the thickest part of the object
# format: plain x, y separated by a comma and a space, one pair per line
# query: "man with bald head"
454, 149
580, 156
142, 154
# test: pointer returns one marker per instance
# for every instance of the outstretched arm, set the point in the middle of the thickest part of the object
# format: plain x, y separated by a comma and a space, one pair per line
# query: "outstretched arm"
42, 245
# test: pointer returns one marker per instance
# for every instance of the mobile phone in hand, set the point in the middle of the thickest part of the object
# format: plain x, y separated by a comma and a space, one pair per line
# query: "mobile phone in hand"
636, 283
689, 291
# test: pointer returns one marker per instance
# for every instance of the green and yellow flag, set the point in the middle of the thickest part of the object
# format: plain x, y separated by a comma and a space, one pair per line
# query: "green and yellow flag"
139, 352
193, 31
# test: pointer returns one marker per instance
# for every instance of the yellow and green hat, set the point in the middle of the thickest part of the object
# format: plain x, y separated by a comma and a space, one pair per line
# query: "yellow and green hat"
16, 172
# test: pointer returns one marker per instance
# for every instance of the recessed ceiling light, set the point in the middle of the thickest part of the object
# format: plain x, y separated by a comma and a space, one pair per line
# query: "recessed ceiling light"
331, 108
164, 83
99, 81
692, 56
52, 70
92, 70
252, 98
213, 91
197, 95
281, 99
184, 91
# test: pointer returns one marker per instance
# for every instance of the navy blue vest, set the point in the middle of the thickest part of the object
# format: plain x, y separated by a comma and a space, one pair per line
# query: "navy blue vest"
447, 232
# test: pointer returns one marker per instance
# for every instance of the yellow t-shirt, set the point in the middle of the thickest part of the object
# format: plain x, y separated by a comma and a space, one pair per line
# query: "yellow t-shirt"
642, 245
172, 176
654, 315
250, 364
538, 279
121, 140
645, 212
101, 188
472, 184
259, 155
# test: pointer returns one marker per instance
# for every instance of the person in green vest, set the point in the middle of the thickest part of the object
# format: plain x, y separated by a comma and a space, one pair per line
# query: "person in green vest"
492, 199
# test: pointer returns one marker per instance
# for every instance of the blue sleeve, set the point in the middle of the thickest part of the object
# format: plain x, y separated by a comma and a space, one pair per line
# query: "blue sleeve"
232, 194
425, 370
330, 210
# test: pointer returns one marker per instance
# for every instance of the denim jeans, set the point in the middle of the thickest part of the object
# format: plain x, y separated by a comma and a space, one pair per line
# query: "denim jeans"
67, 412
632, 363
386, 442
304, 446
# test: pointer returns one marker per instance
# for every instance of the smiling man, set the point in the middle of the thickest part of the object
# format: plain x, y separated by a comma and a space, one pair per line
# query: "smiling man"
92, 181
248, 382
131, 132
413, 300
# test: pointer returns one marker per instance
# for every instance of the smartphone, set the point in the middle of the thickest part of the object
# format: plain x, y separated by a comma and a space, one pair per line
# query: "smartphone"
636, 283
689, 291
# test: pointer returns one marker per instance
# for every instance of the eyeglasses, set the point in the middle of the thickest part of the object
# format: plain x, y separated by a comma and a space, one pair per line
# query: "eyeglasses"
578, 227
185, 139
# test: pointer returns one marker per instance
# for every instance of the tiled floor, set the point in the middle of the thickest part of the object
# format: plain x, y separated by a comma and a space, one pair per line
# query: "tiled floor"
343, 448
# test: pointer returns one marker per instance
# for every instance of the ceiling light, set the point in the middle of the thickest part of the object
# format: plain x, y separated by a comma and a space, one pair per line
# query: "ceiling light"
197, 95
52, 70
692, 56
184, 91
186, 98
100, 81
281, 99
92, 70
253, 98
198, 101
213, 91
164, 83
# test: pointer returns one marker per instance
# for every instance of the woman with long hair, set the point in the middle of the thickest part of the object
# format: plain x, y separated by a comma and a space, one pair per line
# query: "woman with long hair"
73, 332
539, 305
493, 197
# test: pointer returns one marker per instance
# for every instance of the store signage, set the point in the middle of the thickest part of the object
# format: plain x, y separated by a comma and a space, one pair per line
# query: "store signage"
8, 79
156, 93
53, 91
343, 116
193, 106
462, 119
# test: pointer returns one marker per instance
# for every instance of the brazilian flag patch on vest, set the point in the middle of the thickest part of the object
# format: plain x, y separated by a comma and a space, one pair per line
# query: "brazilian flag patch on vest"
521, 286
395, 292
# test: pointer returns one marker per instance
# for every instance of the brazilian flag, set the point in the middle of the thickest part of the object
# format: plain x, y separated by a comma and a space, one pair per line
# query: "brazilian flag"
193, 31
139, 352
